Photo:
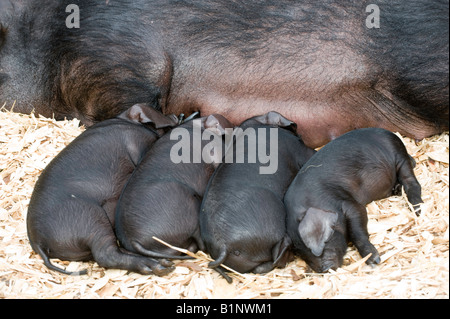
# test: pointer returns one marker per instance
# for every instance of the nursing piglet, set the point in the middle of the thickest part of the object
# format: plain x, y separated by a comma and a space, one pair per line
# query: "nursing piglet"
326, 201
242, 219
162, 199
71, 212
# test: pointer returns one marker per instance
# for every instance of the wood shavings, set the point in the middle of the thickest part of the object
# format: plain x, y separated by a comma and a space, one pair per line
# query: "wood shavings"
414, 250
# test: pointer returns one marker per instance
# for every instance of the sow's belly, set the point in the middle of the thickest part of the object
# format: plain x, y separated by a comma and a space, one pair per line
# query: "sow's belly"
320, 117
337, 92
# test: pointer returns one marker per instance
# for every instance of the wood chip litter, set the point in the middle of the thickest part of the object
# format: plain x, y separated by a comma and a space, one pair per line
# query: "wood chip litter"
414, 250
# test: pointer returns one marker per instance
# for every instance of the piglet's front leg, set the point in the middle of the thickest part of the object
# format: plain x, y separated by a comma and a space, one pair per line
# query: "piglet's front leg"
356, 217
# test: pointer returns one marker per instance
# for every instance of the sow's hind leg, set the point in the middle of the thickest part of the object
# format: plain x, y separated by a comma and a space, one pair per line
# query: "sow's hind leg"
102, 241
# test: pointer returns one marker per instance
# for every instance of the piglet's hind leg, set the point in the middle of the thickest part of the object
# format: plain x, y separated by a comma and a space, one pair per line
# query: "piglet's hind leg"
264, 268
413, 190
356, 216
107, 253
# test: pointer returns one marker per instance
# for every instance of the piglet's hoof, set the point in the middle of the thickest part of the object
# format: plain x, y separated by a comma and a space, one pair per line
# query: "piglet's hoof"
417, 209
166, 263
162, 270
374, 259
151, 266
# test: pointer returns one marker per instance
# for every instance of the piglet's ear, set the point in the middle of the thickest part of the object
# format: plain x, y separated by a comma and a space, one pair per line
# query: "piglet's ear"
217, 124
275, 118
316, 228
142, 113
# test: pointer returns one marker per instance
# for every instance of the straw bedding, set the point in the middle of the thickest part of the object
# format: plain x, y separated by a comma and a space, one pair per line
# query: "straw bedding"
414, 251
